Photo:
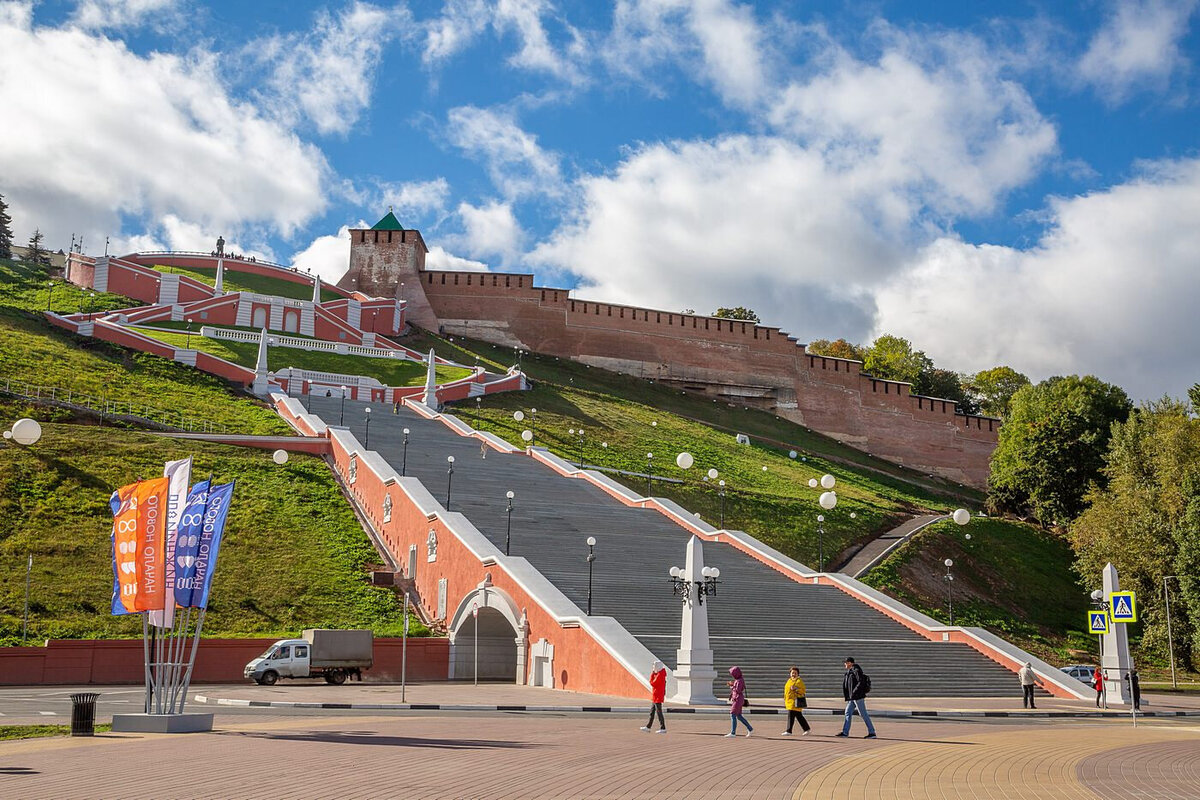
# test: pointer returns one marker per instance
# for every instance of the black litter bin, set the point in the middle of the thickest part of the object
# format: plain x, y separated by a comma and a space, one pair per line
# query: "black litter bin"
83, 714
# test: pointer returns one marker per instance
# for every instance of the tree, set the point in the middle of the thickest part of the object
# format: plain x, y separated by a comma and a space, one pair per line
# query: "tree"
946, 384
1052, 447
893, 358
36, 254
1146, 521
836, 349
5, 230
993, 389
741, 312
1194, 396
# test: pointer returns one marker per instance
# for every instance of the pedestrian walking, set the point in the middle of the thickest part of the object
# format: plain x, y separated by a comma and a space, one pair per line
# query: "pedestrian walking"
1098, 685
855, 685
658, 693
795, 700
483, 449
737, 699
1135, 688
1028, 682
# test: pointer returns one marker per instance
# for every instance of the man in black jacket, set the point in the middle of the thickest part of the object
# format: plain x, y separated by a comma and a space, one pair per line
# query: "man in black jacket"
854, 691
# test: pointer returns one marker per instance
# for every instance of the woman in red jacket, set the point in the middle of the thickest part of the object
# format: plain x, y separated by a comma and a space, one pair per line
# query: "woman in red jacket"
1098, 683
658, 693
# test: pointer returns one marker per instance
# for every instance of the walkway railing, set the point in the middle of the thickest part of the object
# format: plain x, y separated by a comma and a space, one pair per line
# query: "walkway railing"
210, 255
300, 343
124, 410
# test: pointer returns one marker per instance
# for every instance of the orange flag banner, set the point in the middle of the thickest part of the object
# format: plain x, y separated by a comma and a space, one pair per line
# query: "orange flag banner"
125, 548
150, 556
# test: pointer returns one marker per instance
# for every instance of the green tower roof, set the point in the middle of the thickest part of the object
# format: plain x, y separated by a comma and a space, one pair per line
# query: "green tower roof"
388, 223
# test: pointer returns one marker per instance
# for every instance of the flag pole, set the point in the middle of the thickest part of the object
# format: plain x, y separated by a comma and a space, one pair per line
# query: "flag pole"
187, 679
146, 660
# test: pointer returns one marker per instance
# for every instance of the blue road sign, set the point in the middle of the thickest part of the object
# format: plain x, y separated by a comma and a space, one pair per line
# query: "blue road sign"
1123, 606
1097, 622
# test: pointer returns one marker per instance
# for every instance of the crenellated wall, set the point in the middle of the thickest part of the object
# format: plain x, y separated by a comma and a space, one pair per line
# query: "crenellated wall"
735, 361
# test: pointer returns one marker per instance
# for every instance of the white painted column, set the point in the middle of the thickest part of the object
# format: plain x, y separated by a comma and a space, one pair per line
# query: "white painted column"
430, 397
1115, 660
219, 283
260, 366
694, 672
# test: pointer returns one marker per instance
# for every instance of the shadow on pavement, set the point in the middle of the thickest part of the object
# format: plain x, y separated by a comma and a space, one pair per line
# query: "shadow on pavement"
368, 737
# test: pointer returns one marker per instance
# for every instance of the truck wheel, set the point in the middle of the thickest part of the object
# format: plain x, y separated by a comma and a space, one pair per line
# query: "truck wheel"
336, 677
269, 677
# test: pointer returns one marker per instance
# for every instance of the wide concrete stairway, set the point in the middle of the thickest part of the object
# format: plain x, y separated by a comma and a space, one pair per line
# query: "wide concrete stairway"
759, 620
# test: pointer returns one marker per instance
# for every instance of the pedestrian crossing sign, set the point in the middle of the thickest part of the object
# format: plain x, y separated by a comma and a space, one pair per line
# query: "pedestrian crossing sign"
1097, 622
1124, 606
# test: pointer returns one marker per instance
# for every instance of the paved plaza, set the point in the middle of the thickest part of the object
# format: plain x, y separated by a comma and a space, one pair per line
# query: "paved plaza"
283, 753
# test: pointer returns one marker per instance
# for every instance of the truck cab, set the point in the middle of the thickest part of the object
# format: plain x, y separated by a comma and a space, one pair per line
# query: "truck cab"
287, 658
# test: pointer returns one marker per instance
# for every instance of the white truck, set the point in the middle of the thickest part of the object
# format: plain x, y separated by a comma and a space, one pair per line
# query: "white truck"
332, 655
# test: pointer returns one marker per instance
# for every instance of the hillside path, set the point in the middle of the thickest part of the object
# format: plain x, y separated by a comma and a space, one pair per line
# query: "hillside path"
881, 544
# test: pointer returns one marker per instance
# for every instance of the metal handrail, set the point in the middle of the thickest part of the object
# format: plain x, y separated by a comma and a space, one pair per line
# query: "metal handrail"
121, 409
209, 255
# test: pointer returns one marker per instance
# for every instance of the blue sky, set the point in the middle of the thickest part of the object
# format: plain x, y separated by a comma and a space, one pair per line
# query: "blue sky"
1012, 183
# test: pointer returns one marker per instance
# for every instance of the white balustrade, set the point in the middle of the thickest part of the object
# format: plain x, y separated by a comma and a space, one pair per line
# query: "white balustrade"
299, 343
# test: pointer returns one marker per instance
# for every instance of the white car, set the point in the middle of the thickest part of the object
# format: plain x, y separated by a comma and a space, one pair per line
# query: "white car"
1081, 672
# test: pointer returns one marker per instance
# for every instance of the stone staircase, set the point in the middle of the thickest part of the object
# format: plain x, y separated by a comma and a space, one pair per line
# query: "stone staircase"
760, 619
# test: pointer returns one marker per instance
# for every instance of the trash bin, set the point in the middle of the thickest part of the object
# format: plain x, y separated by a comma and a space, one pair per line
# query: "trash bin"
83, 713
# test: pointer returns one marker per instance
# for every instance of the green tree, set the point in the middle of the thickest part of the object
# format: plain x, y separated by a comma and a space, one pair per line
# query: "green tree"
1146, 521
740, 312
946, 384
1052, 446
1194, 396
36, 254
836, 349
5, 230
994, 388
893, 358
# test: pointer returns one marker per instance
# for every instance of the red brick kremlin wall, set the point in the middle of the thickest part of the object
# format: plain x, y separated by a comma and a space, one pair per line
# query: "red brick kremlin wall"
739, 362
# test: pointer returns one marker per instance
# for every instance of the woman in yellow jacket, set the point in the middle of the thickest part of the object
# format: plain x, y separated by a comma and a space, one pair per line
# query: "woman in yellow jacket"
794, 700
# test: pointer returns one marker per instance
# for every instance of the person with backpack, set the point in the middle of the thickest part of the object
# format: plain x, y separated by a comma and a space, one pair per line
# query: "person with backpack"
855, 686
794, 701
737, 699
1028, 679
658, 693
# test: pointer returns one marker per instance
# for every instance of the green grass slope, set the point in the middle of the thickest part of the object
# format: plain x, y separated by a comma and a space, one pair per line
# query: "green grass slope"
1012, 578
390, 372
249, 282
294, 555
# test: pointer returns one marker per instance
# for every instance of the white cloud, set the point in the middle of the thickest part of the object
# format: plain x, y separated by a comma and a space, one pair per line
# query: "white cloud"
517, 164
94, 134
327, 256
718, 40
1137, 47
490, 230
439, 258
933, 117
463, 21
118, 14
326, 74
1110, 290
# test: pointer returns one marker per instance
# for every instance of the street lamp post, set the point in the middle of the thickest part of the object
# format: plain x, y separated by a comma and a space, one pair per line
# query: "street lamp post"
187, 341
49, 293
533, 426
578, 434
1170, 641
367, 431
342, 410
828, 501
721, 492
404, 457
91, 297
950, 588
649, 474
1100, 601
591, 558
449, 478
508, 530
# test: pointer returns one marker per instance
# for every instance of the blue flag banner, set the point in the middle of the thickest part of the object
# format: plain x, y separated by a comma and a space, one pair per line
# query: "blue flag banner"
199, 584
187, 542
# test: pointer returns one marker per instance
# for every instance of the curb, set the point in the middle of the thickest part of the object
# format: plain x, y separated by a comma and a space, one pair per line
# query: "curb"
833, 712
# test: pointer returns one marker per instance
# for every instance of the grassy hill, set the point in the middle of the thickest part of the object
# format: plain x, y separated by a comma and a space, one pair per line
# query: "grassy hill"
250, 282
294, 554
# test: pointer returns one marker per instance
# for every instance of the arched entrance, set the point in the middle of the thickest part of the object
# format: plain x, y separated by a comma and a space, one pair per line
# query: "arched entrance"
259, 317
489, 634
291, 321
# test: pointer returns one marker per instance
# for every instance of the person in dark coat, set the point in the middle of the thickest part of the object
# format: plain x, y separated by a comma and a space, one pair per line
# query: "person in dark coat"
854, 691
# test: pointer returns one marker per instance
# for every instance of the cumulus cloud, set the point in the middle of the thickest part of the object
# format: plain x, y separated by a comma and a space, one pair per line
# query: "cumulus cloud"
327, 256
326, 74
120, 14
439, 258
462, 22
517, 164
490, 230
1110, 289
718, 40
95, 135
1137, 47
